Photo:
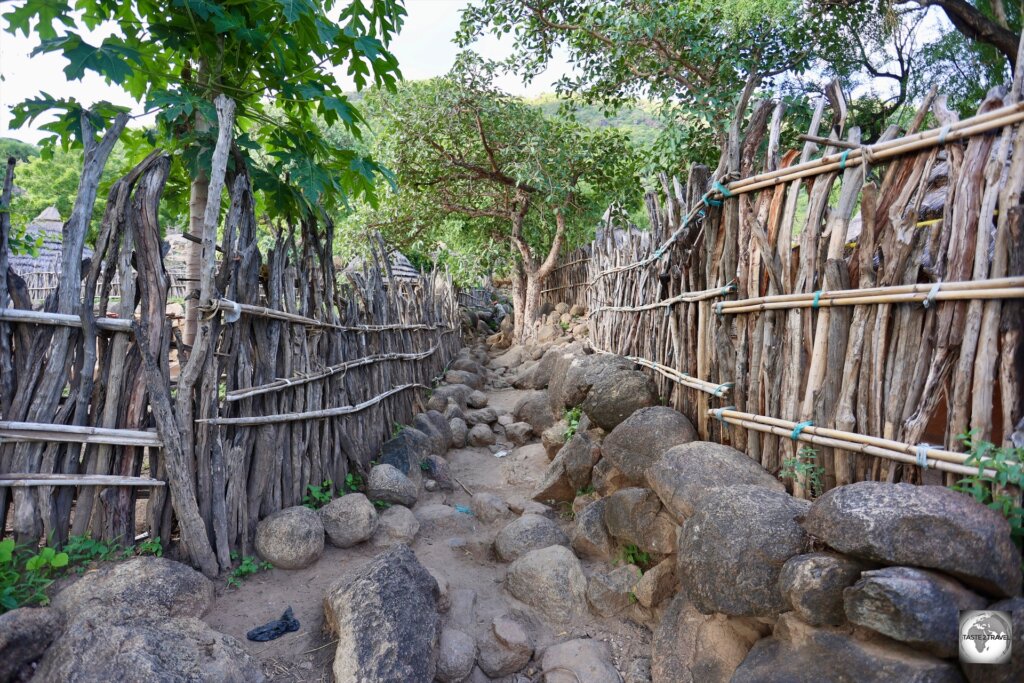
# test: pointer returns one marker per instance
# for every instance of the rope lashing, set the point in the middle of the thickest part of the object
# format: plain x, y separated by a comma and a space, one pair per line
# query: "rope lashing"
722, 189
922, 455
842, 160
718, 308
724, 387
235, 314
943, 132
929, 300
710, 202
817, 299
729, 288
718, 412
800, 426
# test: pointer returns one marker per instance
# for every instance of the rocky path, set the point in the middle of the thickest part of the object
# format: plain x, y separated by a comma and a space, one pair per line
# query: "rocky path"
457, 548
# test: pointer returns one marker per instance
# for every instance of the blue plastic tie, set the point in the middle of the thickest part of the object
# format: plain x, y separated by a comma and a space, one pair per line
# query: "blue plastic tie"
723, 189
718, 412
718, 308
817, 299
729, 288
943, 132
842, 160
463, 509
922, 455
711, 202
929, 300
724, 387
801, 426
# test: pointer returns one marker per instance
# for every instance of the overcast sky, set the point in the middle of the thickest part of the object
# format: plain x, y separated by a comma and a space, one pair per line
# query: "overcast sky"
424, 48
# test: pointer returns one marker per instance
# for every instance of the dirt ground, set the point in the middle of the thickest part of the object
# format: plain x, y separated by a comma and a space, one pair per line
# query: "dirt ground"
307, 655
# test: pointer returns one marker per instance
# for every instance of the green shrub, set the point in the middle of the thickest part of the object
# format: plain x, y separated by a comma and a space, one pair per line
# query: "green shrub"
25, 575
318, 496
804, 468
1001, 489
246, 568
572, 417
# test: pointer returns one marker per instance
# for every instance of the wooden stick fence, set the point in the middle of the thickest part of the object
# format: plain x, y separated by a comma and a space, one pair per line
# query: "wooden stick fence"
909, 331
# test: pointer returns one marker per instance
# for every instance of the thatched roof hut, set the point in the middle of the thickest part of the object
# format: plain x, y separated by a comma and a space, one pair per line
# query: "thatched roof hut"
402, 269
42, 271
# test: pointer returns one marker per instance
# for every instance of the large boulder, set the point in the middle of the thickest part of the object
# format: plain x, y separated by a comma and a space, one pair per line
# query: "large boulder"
690, 647
590, 537
554, 437
922, 526
470, 379
291, 538
437, 469
512, 358
915, 606
395, 525
635, 516
1013, 670
617, 395
460, 432
555, 486
639, 441
581, 375
481, 435
349, 520
175, 649
686, 472
579, 455
518, 433
478, 416
540, 375
607, 479
25, 633
469, 365
732, 549
533, 409
440, 396
563, 357
435, 426
583, 659
799, 653
406, 451
488, 507
611, 592
812, 585
657, 584
388, 484
386, 621
456, 655
153, 587
527, 533
550, 580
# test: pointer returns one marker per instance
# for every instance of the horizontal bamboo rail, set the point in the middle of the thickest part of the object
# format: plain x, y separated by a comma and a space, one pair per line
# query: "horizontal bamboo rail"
36, 479
18, 315
937, 458
1001, 288
282, 384
273, 313
35, 431
308, 415
685, 298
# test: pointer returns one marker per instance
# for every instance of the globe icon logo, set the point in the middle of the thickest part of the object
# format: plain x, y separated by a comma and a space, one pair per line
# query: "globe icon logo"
986, 637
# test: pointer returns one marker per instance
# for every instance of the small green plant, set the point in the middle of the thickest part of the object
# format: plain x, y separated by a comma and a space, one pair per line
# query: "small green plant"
564, 326
353, 483
318, 496
83, 550
804, 468
572, 417
1006, 465
381, 504
246, 568
631, 554
396, 429
151, 546
585, 491
25, 574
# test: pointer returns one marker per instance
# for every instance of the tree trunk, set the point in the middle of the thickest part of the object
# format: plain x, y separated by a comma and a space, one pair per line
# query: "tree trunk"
194, 263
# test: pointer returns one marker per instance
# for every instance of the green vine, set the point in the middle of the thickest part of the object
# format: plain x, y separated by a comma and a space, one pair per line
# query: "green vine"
999, 490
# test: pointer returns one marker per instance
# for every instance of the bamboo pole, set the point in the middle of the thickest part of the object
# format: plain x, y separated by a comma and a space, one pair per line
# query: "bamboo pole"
18, 315
19, 480
309, 415
719, 390
36, 431
685, 297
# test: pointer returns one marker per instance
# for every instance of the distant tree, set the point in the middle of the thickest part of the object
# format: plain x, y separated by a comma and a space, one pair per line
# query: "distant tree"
22, 151
504, 173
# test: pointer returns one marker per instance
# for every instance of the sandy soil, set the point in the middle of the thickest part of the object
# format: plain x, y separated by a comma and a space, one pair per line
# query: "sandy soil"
307, 654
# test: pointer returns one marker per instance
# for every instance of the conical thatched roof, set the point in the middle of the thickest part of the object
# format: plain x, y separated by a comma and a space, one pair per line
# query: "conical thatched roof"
401, 266
48, 261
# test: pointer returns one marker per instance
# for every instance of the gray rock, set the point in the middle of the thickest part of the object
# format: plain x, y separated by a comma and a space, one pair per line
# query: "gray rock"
25, 633
443, 599
800, 653
512, 358
435, 426
550, 580
690, 647
395, 525
812, 585
522, 506
1009, 672
555, 486
460, 432
561, 308
527, 533
437, 469
152, 587
611, 592
506, 419
442, 520
922, 526
580, 330
685, 473
388, 484
484, 416
519, 433
539, 375
579, 455
456, 656
349, 520
638, 670
144, 651
405, 451
533, 409
470, 379
548, 333
732, 549
454, 411
505, 647
440, 396
641, 439
565, 355
477, 399
577, 310
554, 437
585, 371
657, 584
635, 516
583, 659
616, 396
291, 538
386, 621
488, 507
462, 612
915, 606
469, 365
607, 479
590, 536
481, 435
